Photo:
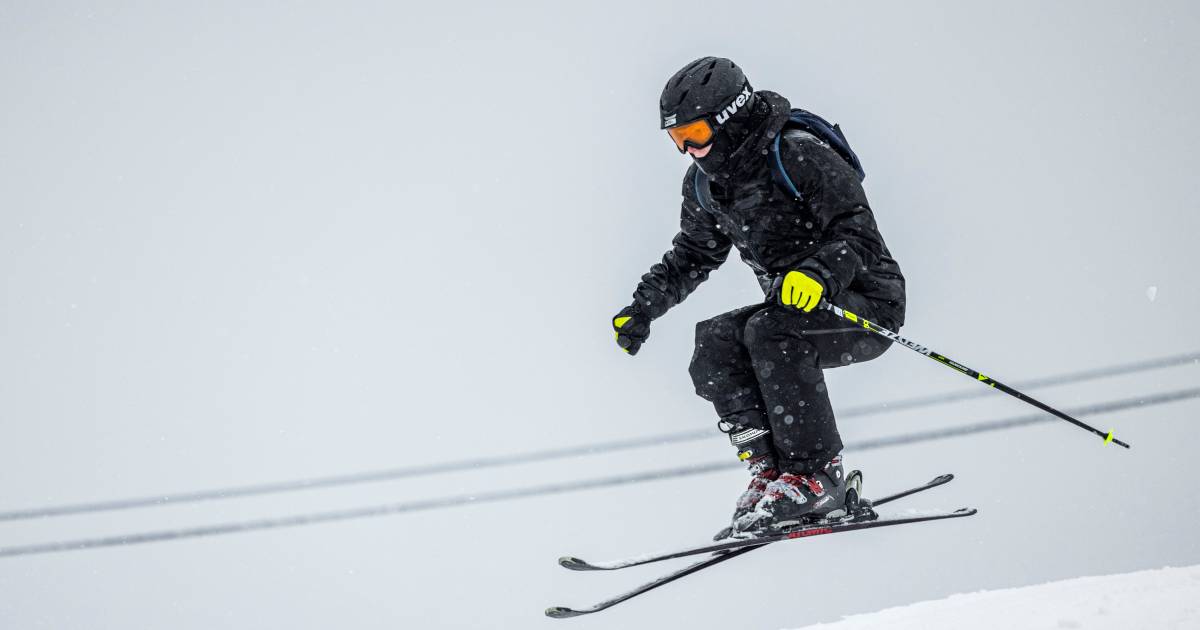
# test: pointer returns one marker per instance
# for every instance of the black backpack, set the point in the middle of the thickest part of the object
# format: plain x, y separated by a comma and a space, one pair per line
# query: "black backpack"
829, 133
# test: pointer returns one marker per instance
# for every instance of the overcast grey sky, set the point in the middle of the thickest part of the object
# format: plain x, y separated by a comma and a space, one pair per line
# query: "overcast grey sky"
243, 242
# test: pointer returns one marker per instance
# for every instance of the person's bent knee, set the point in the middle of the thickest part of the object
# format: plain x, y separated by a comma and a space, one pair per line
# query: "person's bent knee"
761, 327
768, 335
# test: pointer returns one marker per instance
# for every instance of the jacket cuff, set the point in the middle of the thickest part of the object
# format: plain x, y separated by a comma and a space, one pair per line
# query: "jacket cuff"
650, 304
817, 271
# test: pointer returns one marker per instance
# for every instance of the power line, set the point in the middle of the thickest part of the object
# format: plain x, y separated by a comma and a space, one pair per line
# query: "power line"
392, 474
557, 488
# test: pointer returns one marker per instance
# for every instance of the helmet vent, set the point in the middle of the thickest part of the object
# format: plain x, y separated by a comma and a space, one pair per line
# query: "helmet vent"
707, 76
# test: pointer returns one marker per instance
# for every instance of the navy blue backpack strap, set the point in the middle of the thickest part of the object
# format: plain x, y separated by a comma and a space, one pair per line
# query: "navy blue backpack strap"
829, 133
778, 172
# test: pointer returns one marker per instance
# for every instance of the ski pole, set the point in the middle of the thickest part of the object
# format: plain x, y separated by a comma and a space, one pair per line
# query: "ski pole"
947, 361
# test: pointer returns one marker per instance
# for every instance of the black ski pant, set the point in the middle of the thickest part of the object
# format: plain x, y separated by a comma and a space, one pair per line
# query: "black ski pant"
762, 368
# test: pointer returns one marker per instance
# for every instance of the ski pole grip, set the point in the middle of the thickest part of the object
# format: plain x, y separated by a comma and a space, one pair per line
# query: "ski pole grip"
773, 292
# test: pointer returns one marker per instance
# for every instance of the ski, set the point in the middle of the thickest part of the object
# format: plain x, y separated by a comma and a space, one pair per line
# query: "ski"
733, 549
562, 612
744, 546
577, 564
809, 531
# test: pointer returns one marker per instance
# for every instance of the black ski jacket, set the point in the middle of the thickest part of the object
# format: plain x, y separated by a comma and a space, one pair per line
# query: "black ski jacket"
829, 232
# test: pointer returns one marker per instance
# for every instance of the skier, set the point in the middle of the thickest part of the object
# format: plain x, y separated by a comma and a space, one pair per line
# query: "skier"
790, 199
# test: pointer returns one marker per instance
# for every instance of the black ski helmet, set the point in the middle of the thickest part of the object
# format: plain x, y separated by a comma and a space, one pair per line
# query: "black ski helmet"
716, 90
710, 87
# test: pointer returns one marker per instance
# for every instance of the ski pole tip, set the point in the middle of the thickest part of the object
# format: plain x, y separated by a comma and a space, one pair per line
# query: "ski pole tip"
1110, 439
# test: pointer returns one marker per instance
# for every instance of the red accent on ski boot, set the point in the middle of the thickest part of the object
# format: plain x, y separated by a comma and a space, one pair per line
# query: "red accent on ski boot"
762, 473
762, 476
795, 499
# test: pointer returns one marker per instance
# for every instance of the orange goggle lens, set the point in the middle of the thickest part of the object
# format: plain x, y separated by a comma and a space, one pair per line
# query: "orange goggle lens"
697, 133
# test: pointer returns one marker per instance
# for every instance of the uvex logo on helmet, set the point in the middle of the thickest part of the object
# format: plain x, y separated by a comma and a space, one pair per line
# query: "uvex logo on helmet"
734, 106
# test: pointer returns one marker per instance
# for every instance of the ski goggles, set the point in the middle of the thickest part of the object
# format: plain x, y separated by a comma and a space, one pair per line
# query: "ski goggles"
698, 134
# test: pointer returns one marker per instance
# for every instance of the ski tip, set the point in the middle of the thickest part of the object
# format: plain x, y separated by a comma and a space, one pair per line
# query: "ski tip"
966, 512
561, 612
941, 479
574, 564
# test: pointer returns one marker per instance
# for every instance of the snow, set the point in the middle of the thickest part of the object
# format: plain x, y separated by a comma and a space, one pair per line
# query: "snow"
1163, 599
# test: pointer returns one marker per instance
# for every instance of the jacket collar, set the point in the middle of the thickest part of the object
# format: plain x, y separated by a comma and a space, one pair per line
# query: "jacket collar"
751, 154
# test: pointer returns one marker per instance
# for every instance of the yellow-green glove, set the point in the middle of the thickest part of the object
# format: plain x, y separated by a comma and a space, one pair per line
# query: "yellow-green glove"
801, 291
631, 327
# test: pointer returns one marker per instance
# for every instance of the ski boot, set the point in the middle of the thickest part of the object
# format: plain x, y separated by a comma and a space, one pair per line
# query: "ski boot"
762, 473
794, 500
